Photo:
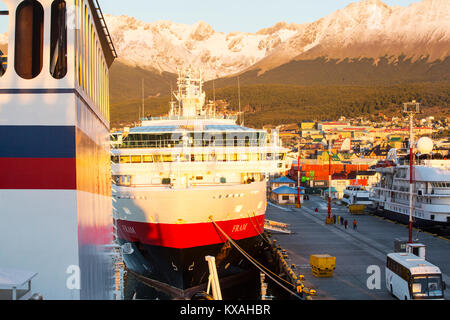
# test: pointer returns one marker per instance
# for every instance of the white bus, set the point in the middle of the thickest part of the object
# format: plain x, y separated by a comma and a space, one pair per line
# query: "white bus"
410, 277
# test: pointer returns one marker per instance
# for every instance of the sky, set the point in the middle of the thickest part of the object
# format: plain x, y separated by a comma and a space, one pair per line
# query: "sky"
225, 16
232, 15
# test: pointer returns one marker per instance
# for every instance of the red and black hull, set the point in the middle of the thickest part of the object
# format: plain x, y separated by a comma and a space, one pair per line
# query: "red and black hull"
174, 261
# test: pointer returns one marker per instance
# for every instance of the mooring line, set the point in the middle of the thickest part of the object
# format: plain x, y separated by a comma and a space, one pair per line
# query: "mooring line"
256, 263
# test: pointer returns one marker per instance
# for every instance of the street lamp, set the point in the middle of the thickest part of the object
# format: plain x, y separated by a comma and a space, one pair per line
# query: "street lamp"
298, 176
411, 108
324, 143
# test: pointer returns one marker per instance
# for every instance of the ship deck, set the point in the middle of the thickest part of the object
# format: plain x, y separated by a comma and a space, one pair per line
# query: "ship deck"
355, 250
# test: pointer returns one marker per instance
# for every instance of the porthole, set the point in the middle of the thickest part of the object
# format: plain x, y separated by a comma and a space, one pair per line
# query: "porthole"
29, 39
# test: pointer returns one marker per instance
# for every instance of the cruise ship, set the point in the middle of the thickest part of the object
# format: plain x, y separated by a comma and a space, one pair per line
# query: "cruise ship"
183, 184
431, 193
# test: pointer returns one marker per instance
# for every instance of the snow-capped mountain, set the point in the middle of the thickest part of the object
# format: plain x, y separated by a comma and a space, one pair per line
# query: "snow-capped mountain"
166, 46
371, 29
363, 29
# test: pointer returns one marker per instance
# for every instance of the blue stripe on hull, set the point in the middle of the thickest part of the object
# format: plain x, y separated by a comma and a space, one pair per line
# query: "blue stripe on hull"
37, 142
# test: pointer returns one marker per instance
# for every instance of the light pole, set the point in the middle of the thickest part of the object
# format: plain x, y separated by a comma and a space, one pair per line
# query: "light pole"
324, 143
411, 108
298, 175
329, 178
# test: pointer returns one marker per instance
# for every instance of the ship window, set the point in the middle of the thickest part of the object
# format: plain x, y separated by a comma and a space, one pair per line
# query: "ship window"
184, 158
167, 158
115, 159
125, 159
222, 157
58, 40
157, 158
29, 39
147, 159
198, 178
212, 157
245, 157
136, 159
122, 180
166, 181
199, 157
4, 22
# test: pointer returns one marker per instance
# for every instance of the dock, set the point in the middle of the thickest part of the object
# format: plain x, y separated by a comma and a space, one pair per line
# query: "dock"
356, 251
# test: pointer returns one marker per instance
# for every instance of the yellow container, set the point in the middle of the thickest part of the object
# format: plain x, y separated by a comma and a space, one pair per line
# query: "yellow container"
356, 208
322, 265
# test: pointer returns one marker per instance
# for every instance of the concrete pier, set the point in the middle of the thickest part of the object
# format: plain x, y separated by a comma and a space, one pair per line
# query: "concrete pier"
356, 251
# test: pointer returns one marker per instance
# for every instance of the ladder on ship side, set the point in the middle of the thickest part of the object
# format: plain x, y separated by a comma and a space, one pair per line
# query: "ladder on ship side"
105, 27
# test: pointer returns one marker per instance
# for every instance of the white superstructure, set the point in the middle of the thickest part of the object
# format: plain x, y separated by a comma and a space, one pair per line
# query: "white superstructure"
194, 149
431, 192
356, 195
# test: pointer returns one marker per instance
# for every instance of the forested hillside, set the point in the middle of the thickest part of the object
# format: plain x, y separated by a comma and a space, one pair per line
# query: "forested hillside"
279, 103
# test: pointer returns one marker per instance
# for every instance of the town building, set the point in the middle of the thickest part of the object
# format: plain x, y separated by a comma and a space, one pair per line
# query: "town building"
287, 195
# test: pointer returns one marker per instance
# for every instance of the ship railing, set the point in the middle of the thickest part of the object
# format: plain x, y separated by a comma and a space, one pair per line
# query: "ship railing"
177, 144
264, 165
201, 117
105, 28
175, 186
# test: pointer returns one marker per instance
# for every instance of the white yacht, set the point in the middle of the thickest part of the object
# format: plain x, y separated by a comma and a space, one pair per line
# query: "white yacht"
186, 182
356, 195
431, 193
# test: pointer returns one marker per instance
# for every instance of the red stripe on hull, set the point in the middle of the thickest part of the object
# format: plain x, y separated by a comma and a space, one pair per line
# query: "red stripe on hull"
38, 173
189, 235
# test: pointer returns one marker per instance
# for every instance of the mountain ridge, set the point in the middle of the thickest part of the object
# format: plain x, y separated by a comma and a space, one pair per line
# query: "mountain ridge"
366, 29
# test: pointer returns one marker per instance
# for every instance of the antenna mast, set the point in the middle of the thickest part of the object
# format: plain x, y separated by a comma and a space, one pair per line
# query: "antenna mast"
239, 98
143, 99
214, 99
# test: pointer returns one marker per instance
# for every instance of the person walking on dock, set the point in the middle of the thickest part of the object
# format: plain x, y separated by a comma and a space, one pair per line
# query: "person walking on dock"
354, 224
345, 224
